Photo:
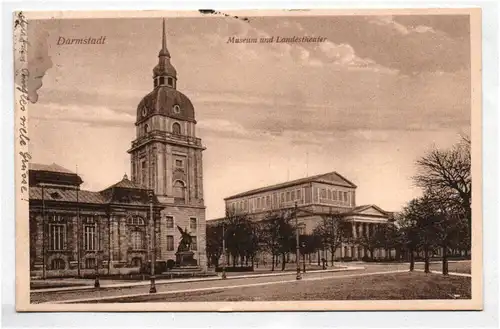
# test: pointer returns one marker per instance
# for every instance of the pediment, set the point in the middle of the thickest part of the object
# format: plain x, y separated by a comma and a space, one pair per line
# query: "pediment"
369, 210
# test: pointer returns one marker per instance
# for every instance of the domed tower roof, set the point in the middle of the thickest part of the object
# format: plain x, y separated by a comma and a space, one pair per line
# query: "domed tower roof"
165, 99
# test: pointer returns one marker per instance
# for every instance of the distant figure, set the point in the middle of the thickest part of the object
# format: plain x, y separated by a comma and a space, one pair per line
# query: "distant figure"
186, 240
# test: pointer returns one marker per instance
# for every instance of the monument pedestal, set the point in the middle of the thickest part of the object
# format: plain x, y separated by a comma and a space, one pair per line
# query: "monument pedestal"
185, 258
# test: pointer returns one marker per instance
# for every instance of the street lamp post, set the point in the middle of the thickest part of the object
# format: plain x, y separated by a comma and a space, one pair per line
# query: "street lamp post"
152, 288
297, 249
223, 251
303, 258
97, 284
44, 237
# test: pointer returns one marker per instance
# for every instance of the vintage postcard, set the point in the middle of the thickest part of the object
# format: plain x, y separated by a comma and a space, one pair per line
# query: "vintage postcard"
248, 161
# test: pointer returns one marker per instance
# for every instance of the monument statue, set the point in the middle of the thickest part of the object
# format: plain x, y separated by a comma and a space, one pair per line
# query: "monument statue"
186, 240
184, 255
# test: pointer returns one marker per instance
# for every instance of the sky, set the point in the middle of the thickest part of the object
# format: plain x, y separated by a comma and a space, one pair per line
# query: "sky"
367, 103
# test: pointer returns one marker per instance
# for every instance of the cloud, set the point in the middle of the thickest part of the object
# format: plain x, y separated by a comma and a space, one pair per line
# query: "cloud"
92, 115
389, 22
413, 49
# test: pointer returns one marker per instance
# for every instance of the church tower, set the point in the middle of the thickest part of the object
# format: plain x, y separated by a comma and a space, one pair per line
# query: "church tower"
166, 156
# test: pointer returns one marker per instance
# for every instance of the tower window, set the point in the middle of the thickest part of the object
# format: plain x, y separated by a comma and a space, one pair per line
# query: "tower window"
170, 82
170, 222
146, 128
156, 82
179, 192
162, 80
176, 128
177, 109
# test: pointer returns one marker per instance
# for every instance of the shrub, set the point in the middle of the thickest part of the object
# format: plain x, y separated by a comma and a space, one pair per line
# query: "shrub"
236, 269
170, 264
160, 267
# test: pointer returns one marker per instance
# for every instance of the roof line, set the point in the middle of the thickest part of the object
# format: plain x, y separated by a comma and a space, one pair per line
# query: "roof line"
290, 183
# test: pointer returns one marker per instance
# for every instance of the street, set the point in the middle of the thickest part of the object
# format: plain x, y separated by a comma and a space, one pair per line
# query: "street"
353, 284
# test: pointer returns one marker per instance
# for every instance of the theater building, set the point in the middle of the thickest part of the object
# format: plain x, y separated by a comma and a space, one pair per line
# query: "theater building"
316, 197
73, 230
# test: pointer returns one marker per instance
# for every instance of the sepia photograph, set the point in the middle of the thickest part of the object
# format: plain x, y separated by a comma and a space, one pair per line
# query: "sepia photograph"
258, 160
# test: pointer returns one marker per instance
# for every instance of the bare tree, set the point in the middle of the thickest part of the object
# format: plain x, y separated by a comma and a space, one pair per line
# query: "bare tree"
333, 230
277, 235
447, 174
214, 243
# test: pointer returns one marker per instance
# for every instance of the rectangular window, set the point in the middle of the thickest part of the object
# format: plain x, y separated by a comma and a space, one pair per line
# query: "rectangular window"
137, 240
323, 193
162, 80
345, 196
282, 197
90, 263
57, 237
170, 222
245, 207
192, 223
299, 195
268, 201
89, 238
170, 82
143, 172
287, 196
329, 194
293, 195
170, 242
178, 163
194, 244
275, 199
334, 195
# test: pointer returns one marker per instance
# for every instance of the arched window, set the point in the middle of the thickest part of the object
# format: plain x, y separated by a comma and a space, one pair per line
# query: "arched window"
179, 188
135, 220
58, 264
136, 262
146, 128
176, 128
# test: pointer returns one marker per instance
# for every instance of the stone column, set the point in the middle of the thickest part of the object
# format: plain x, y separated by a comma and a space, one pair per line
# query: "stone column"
160, 176
168, 170
123, 238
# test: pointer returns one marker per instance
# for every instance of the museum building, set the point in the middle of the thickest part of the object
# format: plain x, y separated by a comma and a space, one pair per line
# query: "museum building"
316, 197
74, 230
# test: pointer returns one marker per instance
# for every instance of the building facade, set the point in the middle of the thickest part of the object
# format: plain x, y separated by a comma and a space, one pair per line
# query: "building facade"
72, 230
316, 197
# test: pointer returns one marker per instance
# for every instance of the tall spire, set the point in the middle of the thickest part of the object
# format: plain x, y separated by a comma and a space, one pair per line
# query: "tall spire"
164, 73
164, 50
164, 39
